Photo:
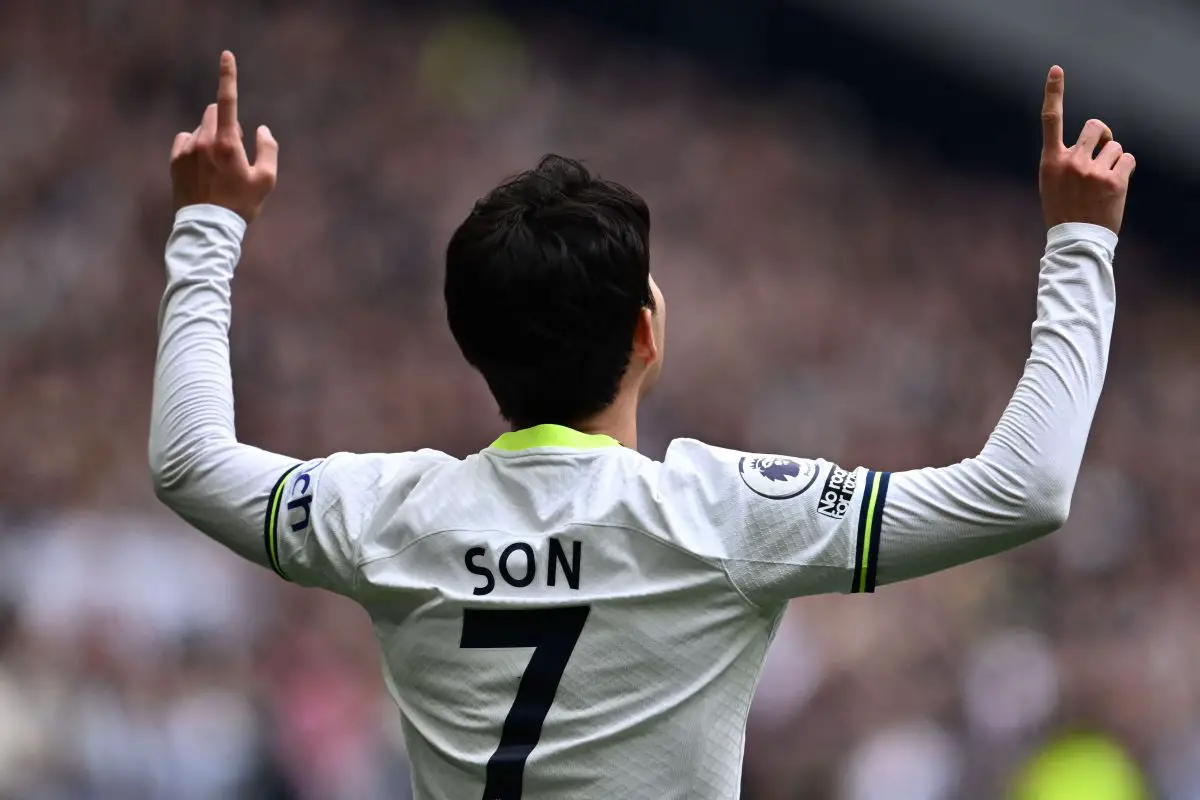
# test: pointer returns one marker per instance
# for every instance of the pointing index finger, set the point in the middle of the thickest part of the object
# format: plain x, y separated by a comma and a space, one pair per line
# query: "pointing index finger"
227, 121
1052, 111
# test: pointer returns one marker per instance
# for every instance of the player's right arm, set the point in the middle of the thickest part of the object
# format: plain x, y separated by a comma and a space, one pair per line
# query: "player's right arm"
848, 531
304, 520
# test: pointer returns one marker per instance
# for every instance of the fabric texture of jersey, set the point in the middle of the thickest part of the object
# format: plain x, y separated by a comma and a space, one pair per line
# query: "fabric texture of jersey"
680, 568
560, 616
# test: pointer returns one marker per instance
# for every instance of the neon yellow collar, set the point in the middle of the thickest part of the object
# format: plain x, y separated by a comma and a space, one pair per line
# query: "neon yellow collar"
553, 436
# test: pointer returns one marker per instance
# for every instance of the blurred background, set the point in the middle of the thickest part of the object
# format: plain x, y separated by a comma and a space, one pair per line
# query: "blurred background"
847, 227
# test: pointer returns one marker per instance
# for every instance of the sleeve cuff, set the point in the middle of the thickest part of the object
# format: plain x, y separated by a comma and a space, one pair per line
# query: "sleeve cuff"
213, 215
271, 523
870, 522
1069, 232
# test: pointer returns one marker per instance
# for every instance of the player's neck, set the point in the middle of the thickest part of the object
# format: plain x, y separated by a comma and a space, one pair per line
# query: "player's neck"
619, 421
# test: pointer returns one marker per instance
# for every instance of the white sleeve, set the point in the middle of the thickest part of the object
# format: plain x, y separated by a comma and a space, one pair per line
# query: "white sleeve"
789, 527
198, 467
306, 521
320, 512
1020, 486
779, 527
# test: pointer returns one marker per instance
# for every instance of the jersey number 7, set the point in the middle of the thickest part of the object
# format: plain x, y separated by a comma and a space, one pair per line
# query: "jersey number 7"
552, 633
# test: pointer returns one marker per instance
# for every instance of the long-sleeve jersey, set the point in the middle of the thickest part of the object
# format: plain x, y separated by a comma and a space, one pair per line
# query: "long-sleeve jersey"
560, 616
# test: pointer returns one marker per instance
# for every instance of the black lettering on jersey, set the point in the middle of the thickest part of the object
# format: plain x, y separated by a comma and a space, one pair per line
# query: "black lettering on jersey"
558, 556
477, 561
475, 569
303, 503
302, 499
838, 492
530, 565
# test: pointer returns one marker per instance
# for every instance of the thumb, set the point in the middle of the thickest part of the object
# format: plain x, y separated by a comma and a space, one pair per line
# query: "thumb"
183, 144
266, 154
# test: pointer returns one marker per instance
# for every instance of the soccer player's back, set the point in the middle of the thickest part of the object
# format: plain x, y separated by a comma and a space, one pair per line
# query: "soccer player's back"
543, 607
561, 604
558, 615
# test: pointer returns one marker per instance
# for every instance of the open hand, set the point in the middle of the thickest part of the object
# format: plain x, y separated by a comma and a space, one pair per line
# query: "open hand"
210, 165
1077, 183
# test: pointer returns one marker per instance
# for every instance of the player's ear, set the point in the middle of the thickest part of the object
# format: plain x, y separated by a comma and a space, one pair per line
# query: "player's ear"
645, 343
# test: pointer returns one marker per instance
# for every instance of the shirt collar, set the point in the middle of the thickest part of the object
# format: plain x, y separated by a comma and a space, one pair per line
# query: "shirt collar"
553, 436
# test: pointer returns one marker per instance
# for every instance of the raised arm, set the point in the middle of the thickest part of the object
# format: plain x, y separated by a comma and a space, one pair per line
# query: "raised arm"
790, 527
196, 463
1020, 485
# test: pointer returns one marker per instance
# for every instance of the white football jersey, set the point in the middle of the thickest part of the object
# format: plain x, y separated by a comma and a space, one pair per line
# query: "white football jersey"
563, 617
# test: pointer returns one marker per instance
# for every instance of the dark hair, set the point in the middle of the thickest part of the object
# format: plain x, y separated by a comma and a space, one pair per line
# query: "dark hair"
545, 281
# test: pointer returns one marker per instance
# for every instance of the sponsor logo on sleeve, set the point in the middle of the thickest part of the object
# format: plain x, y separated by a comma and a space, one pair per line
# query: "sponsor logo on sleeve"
838, 492
777, 477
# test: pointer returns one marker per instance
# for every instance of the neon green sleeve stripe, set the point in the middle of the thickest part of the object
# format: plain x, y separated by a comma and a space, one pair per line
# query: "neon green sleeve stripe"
868, 533
552, 436
271, 529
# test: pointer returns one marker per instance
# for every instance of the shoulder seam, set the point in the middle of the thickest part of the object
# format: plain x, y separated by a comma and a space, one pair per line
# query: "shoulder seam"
356, 558
736, 588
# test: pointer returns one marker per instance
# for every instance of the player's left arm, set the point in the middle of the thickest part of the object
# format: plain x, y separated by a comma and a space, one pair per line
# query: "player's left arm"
1021, 483
262, 505
792, 527
782, 538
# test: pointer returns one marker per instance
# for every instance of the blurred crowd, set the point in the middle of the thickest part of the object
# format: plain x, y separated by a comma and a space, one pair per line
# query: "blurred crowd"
833, 292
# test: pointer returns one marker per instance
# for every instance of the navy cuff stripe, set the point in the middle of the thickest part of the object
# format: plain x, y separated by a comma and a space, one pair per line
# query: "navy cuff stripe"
271, 524
877, 530
863, 515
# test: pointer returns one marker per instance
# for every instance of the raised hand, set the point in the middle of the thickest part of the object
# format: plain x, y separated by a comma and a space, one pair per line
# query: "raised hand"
1079, 184
209, 165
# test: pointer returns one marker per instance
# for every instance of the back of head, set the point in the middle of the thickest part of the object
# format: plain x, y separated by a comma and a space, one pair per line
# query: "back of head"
545, 283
